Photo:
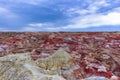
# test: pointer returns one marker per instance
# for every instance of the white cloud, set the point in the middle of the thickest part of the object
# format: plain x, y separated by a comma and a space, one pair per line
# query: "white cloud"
6, 13
95, 20
87, 17
39, 27
7, 17
117, 9
93, 6
90, 18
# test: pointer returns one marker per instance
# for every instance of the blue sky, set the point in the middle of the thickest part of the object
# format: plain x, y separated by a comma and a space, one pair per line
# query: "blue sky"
60, 15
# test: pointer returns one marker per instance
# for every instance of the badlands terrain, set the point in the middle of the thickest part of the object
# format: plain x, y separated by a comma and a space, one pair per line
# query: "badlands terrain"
59, 56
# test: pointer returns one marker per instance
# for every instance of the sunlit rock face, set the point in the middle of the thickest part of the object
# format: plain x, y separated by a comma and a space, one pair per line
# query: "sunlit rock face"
22, 67
56, 61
